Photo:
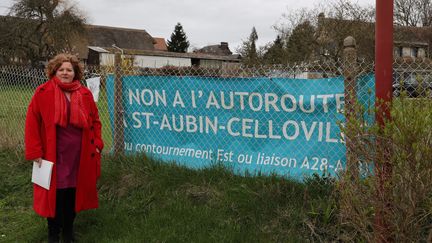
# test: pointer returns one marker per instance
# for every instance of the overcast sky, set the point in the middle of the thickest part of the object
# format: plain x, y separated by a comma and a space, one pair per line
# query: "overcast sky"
205, 22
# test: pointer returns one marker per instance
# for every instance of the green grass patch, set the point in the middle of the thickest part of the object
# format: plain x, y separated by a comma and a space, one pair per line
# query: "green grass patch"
142, 200
14, 101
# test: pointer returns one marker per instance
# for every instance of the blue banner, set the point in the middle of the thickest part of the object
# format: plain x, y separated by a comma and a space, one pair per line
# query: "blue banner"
290, 127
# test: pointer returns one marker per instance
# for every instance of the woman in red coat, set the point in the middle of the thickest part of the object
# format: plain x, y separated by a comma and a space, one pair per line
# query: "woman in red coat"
63, 126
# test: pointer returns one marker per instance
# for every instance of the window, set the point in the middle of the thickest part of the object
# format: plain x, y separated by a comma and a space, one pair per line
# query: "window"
396, 51
414, 51
399, 51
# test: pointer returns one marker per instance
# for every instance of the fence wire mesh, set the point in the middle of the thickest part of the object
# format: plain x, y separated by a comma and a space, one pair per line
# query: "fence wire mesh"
18, 83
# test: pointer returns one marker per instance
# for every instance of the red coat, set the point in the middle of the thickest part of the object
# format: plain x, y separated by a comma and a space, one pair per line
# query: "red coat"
40, 142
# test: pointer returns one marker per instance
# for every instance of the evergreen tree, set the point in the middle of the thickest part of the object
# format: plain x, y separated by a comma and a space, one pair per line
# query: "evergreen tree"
301, 42
178, 41
275, 53
248, 49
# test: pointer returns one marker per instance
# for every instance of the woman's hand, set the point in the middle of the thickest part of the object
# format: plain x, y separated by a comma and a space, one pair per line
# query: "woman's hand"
39, 161
97, 150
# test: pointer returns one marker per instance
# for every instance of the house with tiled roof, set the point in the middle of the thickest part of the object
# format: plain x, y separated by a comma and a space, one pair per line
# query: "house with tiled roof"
142, 50
93, 48
221, 50
412, 42
159, 44
409, 42
97, 45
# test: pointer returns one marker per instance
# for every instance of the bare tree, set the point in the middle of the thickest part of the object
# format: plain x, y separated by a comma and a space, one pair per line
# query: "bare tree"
347, 10
342, 19
425, 8
413, 12
336, 21
405, 13
41, 28
292, 19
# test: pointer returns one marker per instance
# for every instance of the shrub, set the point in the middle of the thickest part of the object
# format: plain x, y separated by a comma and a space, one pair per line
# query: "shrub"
400, 186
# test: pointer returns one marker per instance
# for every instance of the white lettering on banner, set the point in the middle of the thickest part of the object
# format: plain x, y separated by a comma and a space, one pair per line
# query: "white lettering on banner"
167, 150
308, 134
178, 100
340, 102
302, 104
325, 101
263, 159
147, 97
241, 96
231, 101
312, 163
320, 131
246, 127
193, 98
253, 101
262, 128
224, 156
296, 130
212, 101
137, 120
258, 99
293, 101
271, 102
229, 127
189, 123
271, 135
240, 127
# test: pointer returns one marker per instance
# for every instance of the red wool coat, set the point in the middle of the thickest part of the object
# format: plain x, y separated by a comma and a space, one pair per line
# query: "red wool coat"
40, 142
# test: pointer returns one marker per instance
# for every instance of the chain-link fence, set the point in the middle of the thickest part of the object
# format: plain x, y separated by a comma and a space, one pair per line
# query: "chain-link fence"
271, 117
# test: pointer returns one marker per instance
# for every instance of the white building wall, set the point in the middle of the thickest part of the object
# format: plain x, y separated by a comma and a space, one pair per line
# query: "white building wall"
158, 62
421, 52
210, 63
406, 51
106, 59
396, 51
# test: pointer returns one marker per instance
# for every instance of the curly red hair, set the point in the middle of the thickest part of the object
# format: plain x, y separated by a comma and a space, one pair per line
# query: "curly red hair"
55, 63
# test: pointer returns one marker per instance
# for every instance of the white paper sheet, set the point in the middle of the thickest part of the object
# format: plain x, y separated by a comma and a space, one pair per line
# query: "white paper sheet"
42, 175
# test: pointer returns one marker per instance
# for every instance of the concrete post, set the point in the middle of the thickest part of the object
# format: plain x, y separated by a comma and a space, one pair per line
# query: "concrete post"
350, 70
118, 106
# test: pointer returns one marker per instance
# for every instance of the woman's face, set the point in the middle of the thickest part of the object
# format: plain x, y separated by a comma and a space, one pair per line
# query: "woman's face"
65, 72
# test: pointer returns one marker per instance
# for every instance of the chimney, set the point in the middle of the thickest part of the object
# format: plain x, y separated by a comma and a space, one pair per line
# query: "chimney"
224, 44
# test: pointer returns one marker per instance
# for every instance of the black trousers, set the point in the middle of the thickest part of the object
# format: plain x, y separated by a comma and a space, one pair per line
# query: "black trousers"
65, 216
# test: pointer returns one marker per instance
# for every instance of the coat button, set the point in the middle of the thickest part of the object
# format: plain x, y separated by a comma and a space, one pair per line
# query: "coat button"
91, 128
92, 141
92, 154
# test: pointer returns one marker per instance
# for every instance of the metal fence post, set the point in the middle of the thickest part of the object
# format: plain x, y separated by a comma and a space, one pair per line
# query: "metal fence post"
350, 69
118, 106
384, 78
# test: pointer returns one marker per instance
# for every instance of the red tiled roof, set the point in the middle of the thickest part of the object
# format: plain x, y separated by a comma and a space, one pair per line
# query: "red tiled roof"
159, 44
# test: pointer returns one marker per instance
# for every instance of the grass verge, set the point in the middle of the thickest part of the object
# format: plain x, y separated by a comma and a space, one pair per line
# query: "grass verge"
142, 200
